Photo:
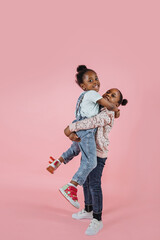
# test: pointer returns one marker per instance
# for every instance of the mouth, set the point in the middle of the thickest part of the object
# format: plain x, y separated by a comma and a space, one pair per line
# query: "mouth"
96, 86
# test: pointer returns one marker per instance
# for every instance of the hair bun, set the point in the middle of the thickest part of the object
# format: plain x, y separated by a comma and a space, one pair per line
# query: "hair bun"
124, 102
81, 68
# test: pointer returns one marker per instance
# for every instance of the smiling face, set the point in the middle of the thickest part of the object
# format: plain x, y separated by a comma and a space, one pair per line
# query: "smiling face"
90, 81
113, 96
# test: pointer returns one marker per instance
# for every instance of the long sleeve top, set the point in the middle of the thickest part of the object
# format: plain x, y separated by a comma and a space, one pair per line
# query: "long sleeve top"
103, 122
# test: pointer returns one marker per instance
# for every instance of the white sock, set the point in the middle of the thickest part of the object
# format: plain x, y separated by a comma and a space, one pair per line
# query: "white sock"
58, 161
71, 184
52, 164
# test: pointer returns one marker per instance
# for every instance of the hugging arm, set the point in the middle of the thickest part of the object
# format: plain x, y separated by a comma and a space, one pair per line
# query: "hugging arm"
105, 103
99, 120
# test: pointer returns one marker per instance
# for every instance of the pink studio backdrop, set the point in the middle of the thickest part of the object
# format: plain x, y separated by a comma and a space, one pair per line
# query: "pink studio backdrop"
42, 43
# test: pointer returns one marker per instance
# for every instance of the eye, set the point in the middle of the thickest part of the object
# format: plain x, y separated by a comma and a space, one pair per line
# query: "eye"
96, 79
90, 80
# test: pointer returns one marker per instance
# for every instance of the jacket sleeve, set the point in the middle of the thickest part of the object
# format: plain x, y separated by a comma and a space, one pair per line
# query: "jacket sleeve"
99, 120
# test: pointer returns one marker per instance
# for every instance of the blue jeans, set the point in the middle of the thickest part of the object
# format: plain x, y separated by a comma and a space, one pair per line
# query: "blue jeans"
87, 146
92, 186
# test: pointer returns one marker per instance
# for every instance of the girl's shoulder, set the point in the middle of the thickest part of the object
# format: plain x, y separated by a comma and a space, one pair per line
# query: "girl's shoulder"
93, 95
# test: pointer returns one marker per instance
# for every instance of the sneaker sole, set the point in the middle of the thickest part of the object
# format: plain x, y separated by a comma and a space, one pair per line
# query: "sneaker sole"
79, 218
92, 234
68, 198
50, 169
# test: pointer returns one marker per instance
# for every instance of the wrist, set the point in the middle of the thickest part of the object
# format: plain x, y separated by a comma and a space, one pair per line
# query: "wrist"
67, 131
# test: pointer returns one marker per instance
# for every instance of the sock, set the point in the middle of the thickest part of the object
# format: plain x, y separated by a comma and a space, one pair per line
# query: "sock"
71, 184
88, 208
97, 216
52, 164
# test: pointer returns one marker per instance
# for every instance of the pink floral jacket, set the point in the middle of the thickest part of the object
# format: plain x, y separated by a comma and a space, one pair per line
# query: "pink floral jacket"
103, 122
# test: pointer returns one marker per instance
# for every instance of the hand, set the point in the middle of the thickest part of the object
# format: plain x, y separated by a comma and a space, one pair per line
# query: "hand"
67, 131
117, 114
73, 137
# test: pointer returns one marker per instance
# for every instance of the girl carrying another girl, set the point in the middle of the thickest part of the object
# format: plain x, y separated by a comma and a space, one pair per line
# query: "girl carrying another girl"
87, 106
93, 197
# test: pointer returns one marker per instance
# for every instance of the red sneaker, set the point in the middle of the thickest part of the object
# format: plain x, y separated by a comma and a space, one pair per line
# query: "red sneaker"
70, 193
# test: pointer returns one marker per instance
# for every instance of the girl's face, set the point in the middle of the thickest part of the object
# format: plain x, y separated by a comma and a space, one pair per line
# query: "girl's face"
113, 96
90, 81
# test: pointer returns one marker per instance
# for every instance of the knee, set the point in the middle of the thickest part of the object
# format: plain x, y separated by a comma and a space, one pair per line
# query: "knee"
95, 186
76, 150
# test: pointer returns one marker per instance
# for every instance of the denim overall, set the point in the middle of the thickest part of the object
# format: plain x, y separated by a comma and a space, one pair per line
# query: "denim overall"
86, 146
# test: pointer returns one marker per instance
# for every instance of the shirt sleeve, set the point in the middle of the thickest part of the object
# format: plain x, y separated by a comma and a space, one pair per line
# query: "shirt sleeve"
99, 120
93, 96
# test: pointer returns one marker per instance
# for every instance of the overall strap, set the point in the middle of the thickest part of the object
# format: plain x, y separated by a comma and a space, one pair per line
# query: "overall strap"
78, 104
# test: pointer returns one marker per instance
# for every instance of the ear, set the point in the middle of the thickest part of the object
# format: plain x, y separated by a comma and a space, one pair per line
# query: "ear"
82, 86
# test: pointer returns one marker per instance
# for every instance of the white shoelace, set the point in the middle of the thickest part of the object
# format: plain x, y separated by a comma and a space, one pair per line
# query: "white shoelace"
82, 211
93, 224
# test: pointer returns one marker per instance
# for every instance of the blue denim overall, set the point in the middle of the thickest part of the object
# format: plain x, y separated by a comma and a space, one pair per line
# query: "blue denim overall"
86, 146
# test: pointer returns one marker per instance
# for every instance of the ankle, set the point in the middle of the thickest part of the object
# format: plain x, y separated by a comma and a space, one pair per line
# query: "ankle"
97, 216
88, 208
74, 183
61, 159
71, 184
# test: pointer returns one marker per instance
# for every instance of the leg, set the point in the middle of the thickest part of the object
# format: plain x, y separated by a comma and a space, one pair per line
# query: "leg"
96, 189
97, 198
88, 158
87, 196
73, 151
93, 198
87, 212
88, 163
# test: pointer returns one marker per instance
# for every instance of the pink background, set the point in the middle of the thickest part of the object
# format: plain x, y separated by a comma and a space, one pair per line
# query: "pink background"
42, 43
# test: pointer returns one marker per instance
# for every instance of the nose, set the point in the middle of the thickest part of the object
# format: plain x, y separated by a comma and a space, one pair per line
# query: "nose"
108, 95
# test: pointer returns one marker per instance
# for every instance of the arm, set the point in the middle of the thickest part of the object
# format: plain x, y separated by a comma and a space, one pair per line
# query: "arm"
105, 103
99, 120
71, 135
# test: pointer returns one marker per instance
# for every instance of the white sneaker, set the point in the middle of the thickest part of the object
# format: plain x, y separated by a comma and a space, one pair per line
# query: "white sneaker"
94, 227
83, 214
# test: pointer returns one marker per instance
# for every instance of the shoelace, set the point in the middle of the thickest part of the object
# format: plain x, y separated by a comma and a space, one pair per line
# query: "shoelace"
72, 192
93, 223
55, 162
82, 211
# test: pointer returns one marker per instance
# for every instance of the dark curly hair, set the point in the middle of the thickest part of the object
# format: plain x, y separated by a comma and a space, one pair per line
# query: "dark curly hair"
81, 70
122, 101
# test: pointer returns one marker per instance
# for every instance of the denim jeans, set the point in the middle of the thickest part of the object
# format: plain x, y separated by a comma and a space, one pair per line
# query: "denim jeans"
92, 186
87, 147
